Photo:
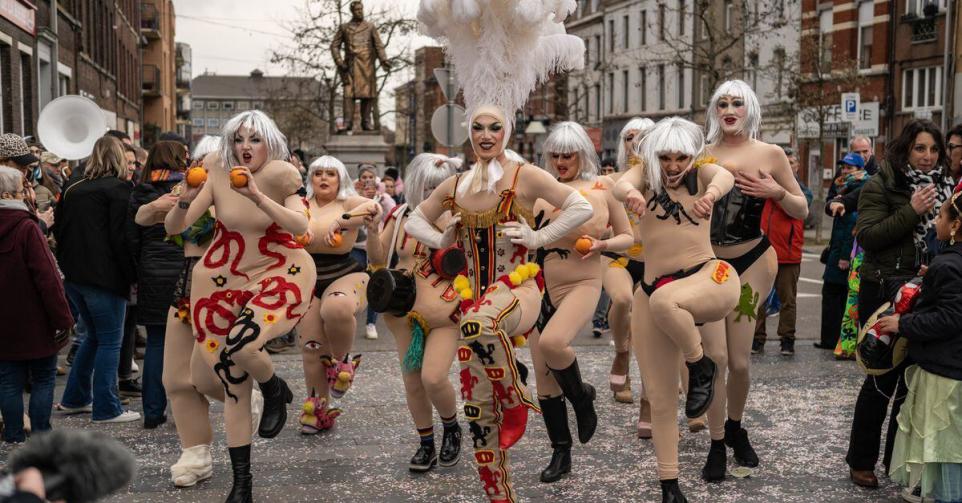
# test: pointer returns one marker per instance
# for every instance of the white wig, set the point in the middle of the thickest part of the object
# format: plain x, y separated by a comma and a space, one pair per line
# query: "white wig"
345, 185
640, 124
514, 156
669, 136
570, 138
427, 170
206, 145
753, 111
264, 126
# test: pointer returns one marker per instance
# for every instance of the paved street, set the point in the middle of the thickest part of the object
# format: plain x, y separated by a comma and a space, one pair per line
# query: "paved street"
799, 414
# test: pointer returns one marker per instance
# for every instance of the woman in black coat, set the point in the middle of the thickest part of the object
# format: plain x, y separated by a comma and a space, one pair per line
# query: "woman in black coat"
158, 262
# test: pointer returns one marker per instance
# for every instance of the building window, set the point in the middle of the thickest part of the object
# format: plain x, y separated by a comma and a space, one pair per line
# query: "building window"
825, 37
916, 7
198, 122
705, 91
588, 53
228, 106
681, 86
584, 99
26, 92
661, 87
243, 105
779, 58
661, 22
64, 85
213, 123
624, 37
213, 105
753, 69
729, 15
597, 102
611, 92
258, 105
597, 49
922, 88
624, 85
198, 105
681, 18
866, 15
644, 27
643, 85
611, 35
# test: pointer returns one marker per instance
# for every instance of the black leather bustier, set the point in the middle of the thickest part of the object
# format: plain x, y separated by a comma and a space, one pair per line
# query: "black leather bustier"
736, 219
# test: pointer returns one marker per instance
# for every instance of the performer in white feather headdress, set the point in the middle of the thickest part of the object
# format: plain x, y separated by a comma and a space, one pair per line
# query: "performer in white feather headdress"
501, 50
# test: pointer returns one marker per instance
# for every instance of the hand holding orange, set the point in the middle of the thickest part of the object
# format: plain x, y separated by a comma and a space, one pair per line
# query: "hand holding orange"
238, 178
196, 176
583, 245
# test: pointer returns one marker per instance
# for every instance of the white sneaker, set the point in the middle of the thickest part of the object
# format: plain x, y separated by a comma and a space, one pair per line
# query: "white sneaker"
257, 409
126, 416
195, 464
371, 332
914, 495
134, 367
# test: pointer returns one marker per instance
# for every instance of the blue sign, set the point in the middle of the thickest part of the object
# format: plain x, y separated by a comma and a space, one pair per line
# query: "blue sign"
851, 106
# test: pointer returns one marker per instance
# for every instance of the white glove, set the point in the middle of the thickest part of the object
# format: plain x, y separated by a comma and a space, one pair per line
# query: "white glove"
575, 211
422, 230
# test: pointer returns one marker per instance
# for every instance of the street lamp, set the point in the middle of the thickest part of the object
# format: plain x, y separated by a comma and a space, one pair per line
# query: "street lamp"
536, 129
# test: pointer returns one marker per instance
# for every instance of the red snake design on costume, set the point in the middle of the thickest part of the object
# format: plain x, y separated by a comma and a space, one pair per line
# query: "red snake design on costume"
273, 295
274, 234
217, 308
222, 241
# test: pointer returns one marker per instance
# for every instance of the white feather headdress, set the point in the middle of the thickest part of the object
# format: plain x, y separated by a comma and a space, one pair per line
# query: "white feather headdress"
502, 49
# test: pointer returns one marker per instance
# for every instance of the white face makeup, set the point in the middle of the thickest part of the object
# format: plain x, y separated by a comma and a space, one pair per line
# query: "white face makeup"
731, 114
250, 149
487, 136
674, 165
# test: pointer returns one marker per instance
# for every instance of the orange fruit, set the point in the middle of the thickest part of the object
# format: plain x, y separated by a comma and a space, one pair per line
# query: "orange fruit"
196, 176
583, 245
303, 239
238, 178
337, 240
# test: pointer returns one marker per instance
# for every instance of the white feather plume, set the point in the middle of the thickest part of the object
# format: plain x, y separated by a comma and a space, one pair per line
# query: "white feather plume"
502, 49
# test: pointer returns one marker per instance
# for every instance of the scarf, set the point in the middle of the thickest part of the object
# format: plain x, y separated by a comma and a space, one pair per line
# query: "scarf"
482, 177
846, 183
943, 189
166, 175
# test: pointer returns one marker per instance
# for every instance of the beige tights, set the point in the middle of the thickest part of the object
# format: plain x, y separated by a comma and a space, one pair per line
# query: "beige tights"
188, 404
729, 343
430, 385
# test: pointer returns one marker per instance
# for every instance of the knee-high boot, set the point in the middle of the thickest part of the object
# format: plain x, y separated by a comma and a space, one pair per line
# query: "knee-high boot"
556, 422
276, 397
582, 398
240, 462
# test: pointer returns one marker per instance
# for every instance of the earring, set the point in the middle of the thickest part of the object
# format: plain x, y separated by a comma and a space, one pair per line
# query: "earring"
952, 238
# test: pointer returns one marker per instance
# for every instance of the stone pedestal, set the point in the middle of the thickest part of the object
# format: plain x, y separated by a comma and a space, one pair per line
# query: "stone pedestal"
357, 148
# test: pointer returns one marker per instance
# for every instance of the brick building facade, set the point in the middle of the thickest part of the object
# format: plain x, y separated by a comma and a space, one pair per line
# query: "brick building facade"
159, 68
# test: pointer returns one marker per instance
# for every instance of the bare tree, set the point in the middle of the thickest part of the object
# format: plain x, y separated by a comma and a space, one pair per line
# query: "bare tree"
309, 52
815, 91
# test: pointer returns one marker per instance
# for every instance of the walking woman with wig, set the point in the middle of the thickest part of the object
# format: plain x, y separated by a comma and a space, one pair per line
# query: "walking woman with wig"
572, 272
762, 171
254, 281
684, 285
326, 335
427, 333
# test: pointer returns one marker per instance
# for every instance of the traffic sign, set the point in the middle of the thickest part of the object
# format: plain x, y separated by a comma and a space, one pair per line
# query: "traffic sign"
449, 125
850, 103
448, 80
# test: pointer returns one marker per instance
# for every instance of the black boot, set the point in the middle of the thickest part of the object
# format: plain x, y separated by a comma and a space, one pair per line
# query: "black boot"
276, 397
424, 459
556, 422
522, 371
582, 398
737, 438
701, 386
717, 463
671, 493
240, 463
450, 446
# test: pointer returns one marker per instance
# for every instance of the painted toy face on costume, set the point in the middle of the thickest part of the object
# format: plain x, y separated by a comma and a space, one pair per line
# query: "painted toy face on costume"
632, 139
325, 183
925, 153
250, 148
487, 136
567, 165
674, 165
731, 112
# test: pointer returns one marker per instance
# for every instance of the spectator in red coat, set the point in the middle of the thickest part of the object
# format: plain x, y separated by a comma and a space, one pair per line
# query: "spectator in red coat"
787, 235
34, 311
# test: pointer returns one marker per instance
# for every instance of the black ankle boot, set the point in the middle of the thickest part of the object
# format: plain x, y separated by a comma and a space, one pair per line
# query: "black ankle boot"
276, 397
671, 493
701, 386
555, 415
450, 447
582, 398
240, 463
424, 459
736, 437
717, 463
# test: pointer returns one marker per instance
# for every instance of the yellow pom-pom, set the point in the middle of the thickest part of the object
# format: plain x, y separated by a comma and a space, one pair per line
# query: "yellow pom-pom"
461, 282
515, 278
523, 272
466, 294
519, 341
309, 407
344, 377
533, 269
